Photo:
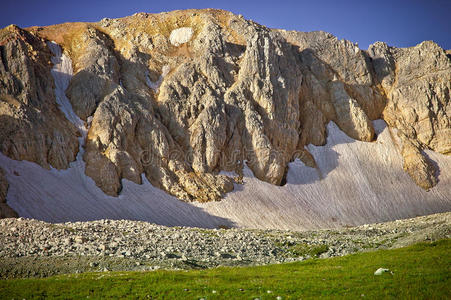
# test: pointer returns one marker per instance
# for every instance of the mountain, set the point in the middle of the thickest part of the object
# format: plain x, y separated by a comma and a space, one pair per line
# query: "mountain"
204, 118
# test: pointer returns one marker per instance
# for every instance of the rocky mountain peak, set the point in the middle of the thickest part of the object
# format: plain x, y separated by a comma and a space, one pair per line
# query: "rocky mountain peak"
184, 95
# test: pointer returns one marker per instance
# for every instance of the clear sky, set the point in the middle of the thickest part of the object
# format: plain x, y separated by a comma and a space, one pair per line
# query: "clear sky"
400, 23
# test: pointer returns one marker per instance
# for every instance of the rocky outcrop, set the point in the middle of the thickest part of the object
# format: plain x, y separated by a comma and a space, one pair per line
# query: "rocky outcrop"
184, 95
417, 83
5, 210
97, 72
31, 125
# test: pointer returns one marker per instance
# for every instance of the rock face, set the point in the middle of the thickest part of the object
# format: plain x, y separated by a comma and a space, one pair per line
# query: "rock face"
5, 210
417, 82
184, 95
31, 125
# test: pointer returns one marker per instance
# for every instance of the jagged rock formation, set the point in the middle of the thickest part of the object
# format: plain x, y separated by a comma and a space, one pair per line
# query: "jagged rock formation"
31, 125
184, 95
417, 82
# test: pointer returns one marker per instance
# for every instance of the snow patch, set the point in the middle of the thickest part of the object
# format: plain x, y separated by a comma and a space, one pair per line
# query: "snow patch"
89, 121
355, 183
180, 36
156, 85
62, 74
281, 80
69, 195
247, 172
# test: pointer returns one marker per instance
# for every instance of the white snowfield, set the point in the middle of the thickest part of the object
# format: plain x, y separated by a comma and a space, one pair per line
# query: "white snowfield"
62, 74
355, 183
180, 36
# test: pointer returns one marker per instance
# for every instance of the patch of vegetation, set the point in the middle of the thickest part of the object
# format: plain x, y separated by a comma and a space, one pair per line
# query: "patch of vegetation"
304, 249
419, 272
373, 244
4, 34
63, 227
310, 250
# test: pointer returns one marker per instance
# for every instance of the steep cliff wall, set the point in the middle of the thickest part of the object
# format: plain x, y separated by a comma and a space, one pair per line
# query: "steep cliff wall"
182, 96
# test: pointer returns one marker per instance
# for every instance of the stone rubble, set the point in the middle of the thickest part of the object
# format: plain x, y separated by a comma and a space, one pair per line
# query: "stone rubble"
105, 244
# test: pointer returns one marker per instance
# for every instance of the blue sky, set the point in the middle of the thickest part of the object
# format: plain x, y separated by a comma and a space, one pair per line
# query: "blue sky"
400, 23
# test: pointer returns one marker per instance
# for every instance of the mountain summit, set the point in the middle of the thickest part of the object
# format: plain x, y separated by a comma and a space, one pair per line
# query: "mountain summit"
200, 103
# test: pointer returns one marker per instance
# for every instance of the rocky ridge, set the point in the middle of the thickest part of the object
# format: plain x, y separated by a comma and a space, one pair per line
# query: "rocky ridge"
33, 248
182, 107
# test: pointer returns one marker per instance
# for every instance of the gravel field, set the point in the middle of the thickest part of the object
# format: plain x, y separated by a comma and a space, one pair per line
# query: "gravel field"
31, 248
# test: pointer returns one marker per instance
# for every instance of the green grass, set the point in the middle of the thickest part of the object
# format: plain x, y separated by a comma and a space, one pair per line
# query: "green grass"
419, 271
311, 250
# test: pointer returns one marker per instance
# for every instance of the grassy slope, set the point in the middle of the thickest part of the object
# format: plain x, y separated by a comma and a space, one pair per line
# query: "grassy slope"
420, 271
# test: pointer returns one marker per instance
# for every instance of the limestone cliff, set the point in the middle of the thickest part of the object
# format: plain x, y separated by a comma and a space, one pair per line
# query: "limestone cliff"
181, 96
31, 125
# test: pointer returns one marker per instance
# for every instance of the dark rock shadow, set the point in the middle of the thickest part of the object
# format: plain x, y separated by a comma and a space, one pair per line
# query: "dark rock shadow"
433, 164
327, 161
